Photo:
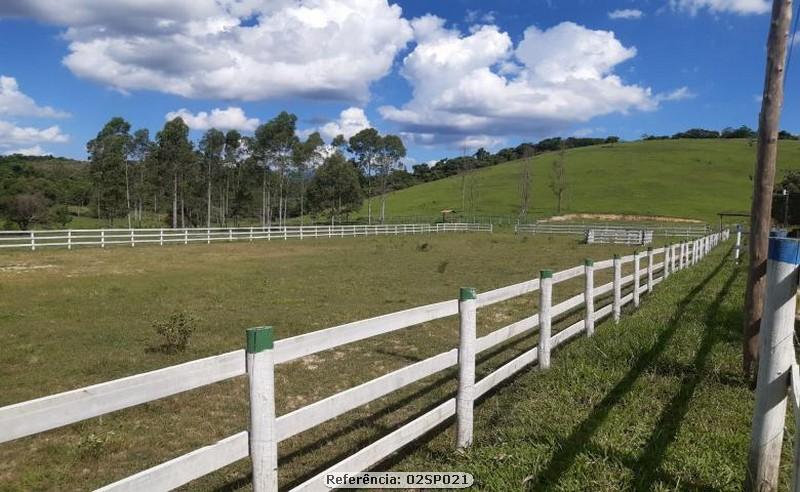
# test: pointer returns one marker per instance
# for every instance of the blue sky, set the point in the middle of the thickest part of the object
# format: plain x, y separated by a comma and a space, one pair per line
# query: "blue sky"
448, 76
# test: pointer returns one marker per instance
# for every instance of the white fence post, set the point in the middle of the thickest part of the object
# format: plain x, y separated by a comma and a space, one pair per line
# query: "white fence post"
69, 239
545, 321
666, 261
161, 237
102, 238
636, 281
33, 241
133, 241
776, 355
467, 310
615, 307
588, 296
230, 235
682, 256
262, 436
649, 270
738, 243
251, 234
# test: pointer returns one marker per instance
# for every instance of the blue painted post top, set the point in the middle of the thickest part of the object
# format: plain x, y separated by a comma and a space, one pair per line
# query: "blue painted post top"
784, 249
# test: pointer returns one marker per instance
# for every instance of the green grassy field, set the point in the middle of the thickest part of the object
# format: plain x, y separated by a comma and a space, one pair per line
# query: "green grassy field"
658, 393
654, 403
73, 318
683, 178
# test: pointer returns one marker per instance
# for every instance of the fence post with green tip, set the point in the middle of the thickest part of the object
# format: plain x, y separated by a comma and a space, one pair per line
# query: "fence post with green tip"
589, 296
617, 304
465, 399
636, 280
262, 436
545, 319
649, 270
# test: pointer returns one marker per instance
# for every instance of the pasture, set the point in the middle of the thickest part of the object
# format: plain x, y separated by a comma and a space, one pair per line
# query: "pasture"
680, 178
73, 318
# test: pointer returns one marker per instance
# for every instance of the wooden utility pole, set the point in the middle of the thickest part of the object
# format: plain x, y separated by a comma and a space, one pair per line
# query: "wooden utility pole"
764, 178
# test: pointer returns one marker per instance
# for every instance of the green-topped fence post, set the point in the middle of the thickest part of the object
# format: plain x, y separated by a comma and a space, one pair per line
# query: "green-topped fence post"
617, 303
636, 278
262, 435
545, 320
465, 399
649, 270
588, 296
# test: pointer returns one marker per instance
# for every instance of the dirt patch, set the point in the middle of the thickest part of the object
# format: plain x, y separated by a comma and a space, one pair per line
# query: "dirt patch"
622, 218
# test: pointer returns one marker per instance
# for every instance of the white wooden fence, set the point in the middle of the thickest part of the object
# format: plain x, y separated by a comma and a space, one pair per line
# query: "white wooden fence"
687, 232
70, 238
619, 236
266, 430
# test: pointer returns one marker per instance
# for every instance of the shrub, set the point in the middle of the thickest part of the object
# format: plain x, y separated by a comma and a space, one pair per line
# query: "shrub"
175, 331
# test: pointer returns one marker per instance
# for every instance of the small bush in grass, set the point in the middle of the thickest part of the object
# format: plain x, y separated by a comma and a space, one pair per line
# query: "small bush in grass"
175, 332
93, 446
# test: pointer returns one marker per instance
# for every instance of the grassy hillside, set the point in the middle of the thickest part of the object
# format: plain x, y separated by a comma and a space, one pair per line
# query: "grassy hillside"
686, 178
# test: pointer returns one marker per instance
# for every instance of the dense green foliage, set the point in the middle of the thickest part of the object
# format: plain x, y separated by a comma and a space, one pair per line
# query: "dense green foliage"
37, 190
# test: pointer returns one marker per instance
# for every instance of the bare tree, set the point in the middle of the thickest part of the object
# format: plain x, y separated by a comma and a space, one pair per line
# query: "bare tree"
558, 179
525, 187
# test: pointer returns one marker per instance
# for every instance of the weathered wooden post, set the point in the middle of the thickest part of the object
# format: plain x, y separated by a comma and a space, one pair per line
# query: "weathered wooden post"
545, 302
738, 243
588, 296
467, 310
776, 354
617, 304
636, 280
263, 438
649, 270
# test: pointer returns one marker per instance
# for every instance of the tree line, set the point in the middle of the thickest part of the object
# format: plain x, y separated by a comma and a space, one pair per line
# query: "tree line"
728, 132
268, 178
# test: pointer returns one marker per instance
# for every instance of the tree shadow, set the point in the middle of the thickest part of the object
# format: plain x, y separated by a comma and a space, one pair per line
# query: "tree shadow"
563, 459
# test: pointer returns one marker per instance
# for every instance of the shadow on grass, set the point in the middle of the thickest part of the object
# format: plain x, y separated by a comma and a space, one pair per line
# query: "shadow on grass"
563, 459
669, 422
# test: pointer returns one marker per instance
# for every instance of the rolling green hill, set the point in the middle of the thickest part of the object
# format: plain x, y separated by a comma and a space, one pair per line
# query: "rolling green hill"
684, 178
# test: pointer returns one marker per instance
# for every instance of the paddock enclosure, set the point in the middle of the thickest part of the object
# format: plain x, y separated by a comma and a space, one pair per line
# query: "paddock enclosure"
310, 293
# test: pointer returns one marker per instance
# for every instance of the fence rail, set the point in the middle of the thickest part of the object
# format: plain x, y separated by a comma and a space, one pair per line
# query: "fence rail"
261, 354
583, 229
70, 238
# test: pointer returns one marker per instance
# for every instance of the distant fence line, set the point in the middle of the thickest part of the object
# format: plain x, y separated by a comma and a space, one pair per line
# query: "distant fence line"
262, 354
69, 238
619, 236
583, 229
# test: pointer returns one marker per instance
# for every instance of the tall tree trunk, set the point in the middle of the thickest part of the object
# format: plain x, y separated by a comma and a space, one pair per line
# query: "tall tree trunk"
127, 195
175, 201
764, 180
369, 193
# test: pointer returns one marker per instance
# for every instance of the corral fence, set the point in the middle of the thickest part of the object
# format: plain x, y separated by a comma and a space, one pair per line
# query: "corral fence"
69, 238
262, 353
619, 236
687, 232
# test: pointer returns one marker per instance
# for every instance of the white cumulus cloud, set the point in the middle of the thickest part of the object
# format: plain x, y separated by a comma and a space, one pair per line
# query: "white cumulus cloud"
27, 138
626, 14
350, 122
222, 119
741, 7
228, 49
14, 102
35, 150
473, 88
678, 94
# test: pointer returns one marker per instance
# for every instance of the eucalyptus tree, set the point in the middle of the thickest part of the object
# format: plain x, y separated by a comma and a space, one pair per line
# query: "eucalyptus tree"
366, 146
108, 168
335, 188
141, 148
306, 155
174, 155
391, 151
274, 142
212, 145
